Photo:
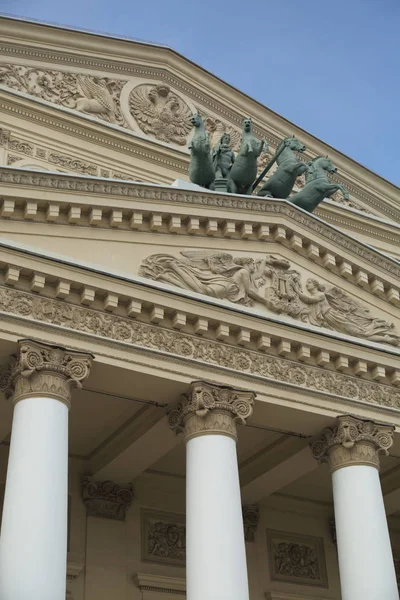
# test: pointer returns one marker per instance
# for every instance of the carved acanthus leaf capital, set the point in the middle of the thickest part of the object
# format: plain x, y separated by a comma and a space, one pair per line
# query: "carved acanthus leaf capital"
211, 409
45, 370
353, 441
106, 499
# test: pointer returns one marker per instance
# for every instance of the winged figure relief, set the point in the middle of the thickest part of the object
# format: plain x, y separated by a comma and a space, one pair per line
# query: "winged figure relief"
271, 282
161, 113
216, 130
96, 97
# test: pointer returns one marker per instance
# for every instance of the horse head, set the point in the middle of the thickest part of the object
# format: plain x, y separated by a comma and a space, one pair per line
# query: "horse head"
247, 125
323, 162
293, 144
196, 120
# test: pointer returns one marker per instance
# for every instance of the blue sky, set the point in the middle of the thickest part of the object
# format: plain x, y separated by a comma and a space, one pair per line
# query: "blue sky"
333, 68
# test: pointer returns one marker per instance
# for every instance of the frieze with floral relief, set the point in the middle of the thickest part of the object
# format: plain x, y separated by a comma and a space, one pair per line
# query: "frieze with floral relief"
177, 344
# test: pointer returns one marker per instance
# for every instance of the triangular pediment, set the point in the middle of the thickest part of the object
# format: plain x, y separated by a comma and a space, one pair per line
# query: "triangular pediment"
148, 91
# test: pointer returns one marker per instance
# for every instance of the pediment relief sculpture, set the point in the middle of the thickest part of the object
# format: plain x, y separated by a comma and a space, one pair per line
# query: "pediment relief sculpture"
273, 284
161, 113
97, 96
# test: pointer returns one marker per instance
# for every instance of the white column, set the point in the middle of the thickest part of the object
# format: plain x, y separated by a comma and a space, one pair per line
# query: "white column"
215, 547
364, 550
33, 540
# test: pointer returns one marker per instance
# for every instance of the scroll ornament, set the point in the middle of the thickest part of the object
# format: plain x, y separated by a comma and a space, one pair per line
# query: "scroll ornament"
210, 408
106, 499
45, 370
273, 284
353, 442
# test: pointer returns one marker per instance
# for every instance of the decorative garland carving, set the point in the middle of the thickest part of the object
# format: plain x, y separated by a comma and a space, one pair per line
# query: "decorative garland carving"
106, 499
20, 146
272, 283
140, 191
251, 519
179, 344
210, 408
45, 370
353, 441
73, 164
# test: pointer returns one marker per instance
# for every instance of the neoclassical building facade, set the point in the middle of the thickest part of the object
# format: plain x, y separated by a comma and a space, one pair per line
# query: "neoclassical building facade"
199, 390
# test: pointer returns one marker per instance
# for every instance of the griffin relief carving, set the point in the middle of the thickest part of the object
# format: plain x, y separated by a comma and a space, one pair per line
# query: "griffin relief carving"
96, 98
99, 96
272, 283
160, 113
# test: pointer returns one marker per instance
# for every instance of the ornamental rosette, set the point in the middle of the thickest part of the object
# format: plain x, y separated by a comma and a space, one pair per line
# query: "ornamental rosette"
43, 369
210, 408
353, 441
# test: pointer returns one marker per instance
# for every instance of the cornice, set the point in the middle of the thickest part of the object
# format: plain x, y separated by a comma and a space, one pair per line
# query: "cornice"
313, 229
155, 62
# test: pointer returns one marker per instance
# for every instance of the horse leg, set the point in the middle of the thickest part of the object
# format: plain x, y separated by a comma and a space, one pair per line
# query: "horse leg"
232, 187
248, 190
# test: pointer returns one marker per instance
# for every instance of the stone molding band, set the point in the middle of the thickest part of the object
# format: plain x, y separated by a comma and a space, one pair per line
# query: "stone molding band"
211, 409
353, 441
40, 369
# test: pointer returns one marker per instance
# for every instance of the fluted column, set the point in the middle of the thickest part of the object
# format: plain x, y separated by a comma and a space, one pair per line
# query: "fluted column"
33, 540
215, 547
352, 450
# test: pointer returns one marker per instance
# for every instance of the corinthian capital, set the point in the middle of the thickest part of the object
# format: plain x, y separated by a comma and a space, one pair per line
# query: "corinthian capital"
211, 409
45, 370
353, 441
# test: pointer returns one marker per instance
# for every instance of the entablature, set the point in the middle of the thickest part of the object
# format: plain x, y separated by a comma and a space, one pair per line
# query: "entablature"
132, 314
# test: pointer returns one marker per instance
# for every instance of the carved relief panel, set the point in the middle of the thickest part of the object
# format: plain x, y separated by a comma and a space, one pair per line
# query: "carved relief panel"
297, 558
163, 537
272, 284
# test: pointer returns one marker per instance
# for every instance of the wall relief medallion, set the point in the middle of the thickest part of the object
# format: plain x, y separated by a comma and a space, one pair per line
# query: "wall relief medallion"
161, 113
271, 283
163, 537
297, 558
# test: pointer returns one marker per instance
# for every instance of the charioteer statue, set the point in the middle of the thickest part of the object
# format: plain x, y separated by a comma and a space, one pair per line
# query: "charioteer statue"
219, 169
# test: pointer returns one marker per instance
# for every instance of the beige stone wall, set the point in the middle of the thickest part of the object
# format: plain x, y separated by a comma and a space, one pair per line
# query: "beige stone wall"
111, 551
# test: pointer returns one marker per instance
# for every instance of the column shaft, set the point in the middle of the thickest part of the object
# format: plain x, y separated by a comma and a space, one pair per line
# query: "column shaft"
33, 539
364, 550
352, 449
215, 547
33, 544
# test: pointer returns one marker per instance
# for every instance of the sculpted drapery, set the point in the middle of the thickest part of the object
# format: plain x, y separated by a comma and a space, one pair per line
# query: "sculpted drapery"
272, 283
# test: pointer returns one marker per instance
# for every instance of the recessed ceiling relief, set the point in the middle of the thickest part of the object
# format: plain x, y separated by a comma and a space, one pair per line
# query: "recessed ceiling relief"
270, 283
